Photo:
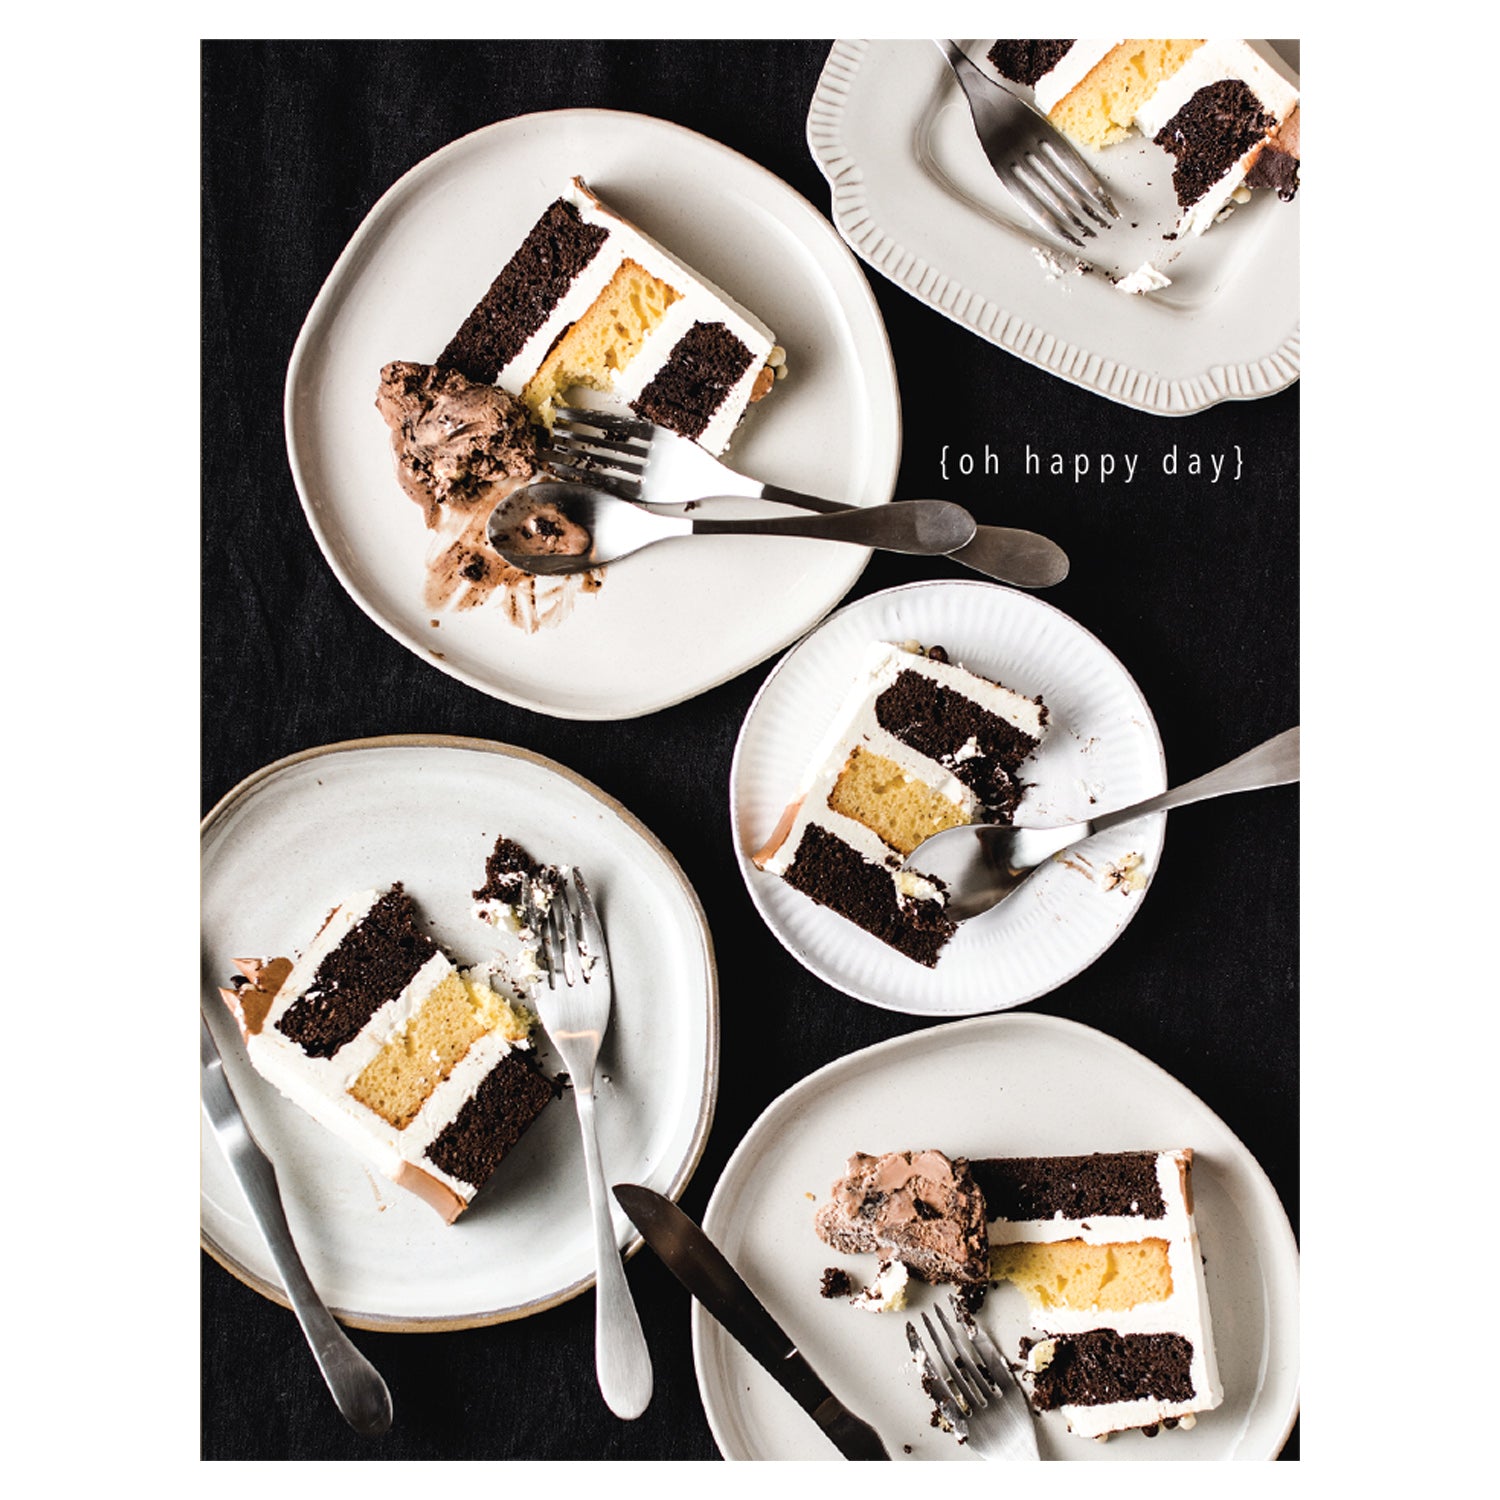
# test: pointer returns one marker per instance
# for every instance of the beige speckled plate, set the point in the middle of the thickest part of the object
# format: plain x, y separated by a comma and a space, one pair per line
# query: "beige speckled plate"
297, 837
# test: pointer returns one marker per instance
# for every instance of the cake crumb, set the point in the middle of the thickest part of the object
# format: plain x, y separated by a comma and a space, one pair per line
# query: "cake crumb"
836, 1282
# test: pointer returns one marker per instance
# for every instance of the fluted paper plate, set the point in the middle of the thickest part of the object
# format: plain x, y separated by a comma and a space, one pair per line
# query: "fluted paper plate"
1101, 751
994, 1086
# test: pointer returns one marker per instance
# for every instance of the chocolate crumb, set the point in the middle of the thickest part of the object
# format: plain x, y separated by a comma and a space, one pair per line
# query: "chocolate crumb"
836, 1283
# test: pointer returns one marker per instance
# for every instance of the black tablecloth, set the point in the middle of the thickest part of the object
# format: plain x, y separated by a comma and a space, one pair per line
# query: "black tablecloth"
1192, 584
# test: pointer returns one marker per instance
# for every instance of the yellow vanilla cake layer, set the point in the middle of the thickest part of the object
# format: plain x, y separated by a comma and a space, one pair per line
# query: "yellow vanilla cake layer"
604, 340
896, 806
455, 1014
1075, 1274
1101, 109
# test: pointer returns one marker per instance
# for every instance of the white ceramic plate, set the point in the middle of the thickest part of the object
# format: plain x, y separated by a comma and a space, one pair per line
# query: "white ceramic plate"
677, 619
299, 836
1101, 751
915, 197
994, 1086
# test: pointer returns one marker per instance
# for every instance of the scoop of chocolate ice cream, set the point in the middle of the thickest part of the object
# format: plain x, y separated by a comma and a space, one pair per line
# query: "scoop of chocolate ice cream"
918, 1207
451, 436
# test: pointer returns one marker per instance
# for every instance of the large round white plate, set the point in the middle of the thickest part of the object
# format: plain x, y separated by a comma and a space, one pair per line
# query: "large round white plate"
1101, 751
299, 836
993, 1086
684, 615
915, 197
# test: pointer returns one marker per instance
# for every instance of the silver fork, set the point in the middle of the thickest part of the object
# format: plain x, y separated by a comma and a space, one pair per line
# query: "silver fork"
1036, 164
574, 1009
973, 1387
652, 465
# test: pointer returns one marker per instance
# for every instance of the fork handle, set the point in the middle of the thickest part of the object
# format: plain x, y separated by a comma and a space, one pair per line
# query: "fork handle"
621, 1359
1277, 762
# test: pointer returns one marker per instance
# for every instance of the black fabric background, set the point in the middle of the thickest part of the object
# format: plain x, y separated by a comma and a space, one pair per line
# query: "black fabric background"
1194, 587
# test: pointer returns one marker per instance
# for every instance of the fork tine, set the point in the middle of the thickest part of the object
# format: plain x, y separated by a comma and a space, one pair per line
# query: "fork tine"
1074, 166
1035, 209
630, 460
606, 421
571, 923
565, 436
933, 1381
969, 1396
617, 484
588, 918
1030, 172
964, 1356
1049, 168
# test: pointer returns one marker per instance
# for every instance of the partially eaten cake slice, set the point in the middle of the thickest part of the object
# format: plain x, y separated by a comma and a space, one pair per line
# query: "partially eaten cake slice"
919, 745
427, 1071
589, 300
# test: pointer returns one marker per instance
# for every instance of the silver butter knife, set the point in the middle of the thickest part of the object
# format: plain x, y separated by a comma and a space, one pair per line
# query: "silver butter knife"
358, 1391
701, 1267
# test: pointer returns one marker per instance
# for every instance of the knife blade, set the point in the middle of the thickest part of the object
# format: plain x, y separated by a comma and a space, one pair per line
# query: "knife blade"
358, 1391
701, 1267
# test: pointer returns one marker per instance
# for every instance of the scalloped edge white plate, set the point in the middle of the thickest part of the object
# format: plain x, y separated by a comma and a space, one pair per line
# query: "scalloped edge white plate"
683, 616
993, 1086
1102, 750
915, 198
299, 836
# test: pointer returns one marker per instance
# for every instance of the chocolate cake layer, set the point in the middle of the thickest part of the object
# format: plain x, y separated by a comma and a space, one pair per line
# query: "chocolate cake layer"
534, 280
1210, 133
1115, 1184
489, 1124
1103, 1366
939, 723
1026, 61
376, 960
839, 877
704, 366
508, 862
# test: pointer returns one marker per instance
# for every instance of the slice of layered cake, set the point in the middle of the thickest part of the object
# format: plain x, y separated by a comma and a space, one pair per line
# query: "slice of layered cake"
919, 745
590, 301
1227, 111
427, 1071
1106, 1251
1103, 1246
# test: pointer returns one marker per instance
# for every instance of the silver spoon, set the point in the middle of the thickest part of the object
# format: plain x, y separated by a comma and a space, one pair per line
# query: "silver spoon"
983, 863
561, 527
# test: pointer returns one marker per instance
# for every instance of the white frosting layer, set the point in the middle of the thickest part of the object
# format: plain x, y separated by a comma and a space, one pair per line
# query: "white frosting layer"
1185, 1312
1272, 82
320, 1085
1070, 70
855, 726
699, 301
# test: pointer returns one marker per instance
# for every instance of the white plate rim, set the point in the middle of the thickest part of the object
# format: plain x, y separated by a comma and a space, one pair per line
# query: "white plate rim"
871, 337
708, 1099
1157, 822
1142, 389
1285, 1256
